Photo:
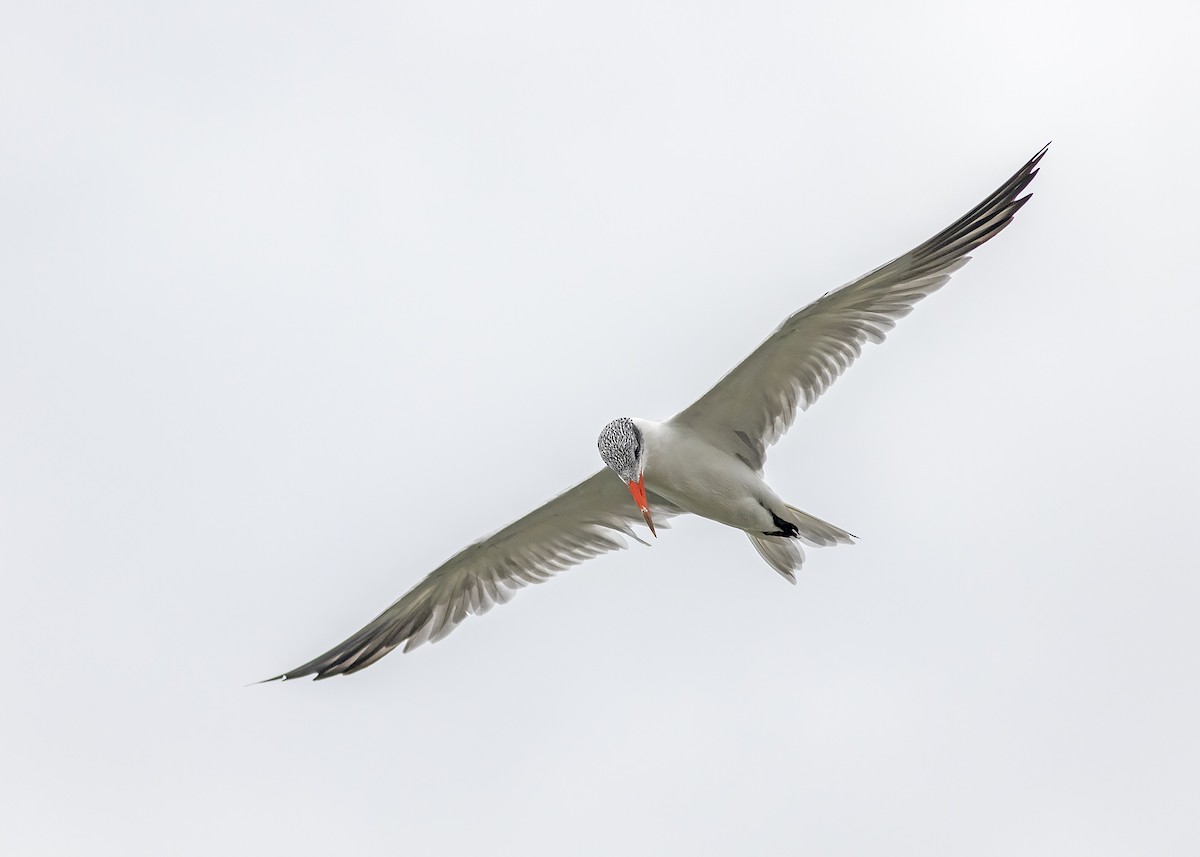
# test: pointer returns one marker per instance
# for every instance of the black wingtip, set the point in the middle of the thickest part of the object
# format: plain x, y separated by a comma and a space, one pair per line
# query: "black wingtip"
1029, 172
296, 675
1031, 167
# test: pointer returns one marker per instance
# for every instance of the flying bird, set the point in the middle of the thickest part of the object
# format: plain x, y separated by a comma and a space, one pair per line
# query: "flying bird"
706, 460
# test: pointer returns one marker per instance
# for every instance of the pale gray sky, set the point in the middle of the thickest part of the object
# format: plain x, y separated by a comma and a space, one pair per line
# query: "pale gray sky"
300, 298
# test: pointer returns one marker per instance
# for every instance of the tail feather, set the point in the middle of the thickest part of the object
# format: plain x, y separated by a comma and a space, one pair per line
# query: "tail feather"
785, 554
818, 533
782, 554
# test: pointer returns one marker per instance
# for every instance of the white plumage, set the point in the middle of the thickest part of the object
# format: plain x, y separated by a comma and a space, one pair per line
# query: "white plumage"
706, 460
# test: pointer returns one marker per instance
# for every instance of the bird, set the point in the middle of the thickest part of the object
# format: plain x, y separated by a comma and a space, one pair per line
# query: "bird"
707, 460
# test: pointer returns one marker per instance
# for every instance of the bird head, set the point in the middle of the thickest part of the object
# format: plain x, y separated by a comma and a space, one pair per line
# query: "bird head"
623, 448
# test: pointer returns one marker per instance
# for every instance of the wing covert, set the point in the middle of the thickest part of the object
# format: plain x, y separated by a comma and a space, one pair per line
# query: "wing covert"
592, 518
757, 401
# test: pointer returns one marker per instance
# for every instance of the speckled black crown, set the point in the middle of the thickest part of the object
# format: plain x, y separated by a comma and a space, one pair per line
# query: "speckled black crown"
620, 446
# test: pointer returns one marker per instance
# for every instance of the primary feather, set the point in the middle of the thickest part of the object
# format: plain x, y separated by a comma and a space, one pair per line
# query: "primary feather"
747, 411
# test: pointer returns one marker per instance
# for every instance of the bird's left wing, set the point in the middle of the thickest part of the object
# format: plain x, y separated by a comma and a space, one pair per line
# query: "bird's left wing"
751, 407
590, 519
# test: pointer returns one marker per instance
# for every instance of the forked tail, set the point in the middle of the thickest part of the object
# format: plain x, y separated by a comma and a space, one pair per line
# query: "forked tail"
784, 554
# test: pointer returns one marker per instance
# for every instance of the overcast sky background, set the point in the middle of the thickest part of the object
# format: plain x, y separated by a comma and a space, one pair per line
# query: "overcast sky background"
300, 298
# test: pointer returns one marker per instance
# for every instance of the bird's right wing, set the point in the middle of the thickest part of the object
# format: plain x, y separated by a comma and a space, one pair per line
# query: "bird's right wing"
590, 519
751, 407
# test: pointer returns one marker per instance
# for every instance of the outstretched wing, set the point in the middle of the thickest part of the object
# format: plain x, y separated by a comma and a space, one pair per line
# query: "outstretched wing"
590, 519
751, 407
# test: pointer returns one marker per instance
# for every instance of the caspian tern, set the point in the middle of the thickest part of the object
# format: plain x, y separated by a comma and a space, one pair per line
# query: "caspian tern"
706, 460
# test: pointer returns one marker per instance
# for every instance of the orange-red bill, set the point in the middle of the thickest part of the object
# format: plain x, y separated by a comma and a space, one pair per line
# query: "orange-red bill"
638, 490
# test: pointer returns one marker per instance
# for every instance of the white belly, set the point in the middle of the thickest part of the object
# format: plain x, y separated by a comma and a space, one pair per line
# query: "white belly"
706, 481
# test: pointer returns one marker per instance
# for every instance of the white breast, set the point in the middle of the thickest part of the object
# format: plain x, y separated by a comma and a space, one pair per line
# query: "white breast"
704, 480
